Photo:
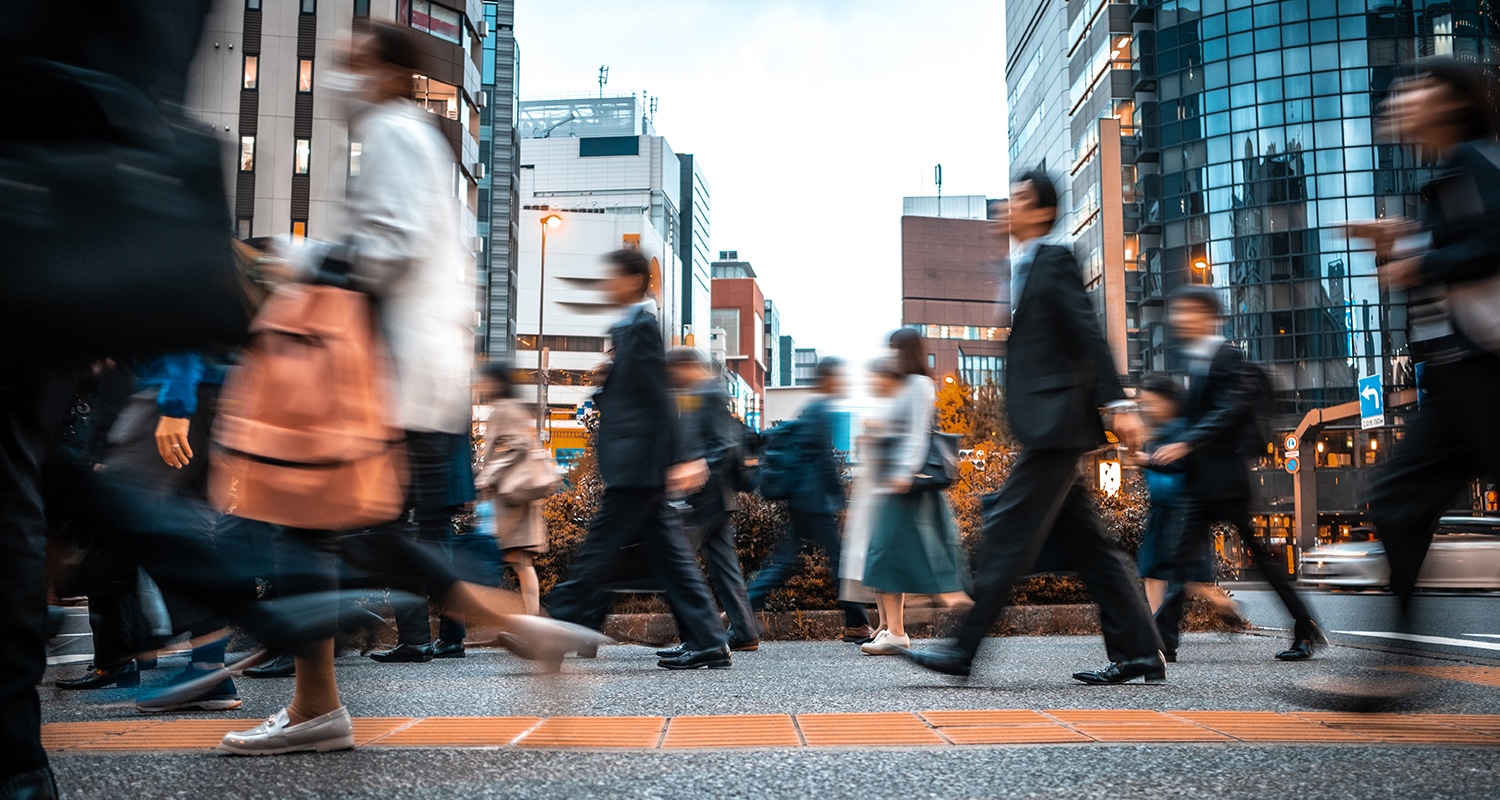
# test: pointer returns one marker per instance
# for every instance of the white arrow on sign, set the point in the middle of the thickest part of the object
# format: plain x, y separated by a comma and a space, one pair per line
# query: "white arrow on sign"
1370, 392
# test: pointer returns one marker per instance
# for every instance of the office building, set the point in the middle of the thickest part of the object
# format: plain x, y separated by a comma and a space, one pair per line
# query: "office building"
257, 81
1037, 89
773, 344
786, 359
739, 311
693, 252
964, 206
499, 206
952, 294
805, 366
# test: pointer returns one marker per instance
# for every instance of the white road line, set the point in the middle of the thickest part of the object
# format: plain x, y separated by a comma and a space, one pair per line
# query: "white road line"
1485, 635
1412, 637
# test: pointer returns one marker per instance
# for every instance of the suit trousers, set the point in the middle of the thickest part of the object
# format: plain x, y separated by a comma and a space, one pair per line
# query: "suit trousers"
1450, 441
33, 406
1198, 517
638, 517
820, 531
430, 456
723, 561
1044, 498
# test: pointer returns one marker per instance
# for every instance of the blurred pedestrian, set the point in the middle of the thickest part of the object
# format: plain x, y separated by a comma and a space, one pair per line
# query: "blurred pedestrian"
1059, 373
637, 450
914, 542
710, 434
1447, 261
1219, 412
814, 506
509, 435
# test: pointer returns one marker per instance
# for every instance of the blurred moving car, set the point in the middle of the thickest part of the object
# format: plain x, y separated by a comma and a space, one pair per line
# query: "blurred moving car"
1465, 554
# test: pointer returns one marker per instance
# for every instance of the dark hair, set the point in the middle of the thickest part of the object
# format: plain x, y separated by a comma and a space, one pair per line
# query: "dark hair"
1163, 386
394, 44
909, 357
685, 356
632, 263
886, 366
829, 367
501, 371
1471, 86
1204, 297
1046, 190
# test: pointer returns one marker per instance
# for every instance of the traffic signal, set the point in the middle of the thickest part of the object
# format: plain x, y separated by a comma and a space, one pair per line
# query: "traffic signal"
1491, 500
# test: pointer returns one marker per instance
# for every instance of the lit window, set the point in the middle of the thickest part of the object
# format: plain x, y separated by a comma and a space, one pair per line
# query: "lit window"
304, 75
247, 154
299, 228
242, 227
252, 72
303, 158
309, 6
252, 5
355, 148
440, 21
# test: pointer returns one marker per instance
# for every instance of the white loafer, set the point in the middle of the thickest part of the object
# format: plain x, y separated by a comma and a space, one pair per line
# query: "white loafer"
332, 731
887, 645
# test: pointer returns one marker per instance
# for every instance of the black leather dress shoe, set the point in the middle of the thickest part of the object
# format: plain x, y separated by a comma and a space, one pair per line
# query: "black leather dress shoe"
444, 649
746, 646
943, 658
125, 676
717, 658
1152, 668
35, 785
672, 652
1301, 650
405, 653
283, 666
1170, 658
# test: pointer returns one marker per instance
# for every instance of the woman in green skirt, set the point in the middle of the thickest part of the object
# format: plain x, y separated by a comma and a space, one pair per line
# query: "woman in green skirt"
914, 543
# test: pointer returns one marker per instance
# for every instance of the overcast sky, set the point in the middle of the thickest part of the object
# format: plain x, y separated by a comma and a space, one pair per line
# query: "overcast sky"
811, 119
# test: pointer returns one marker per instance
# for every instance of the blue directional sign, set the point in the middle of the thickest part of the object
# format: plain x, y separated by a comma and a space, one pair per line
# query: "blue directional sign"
1371, 403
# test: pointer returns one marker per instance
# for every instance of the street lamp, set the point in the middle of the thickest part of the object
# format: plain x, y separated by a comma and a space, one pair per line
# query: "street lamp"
548, 221
1200, 267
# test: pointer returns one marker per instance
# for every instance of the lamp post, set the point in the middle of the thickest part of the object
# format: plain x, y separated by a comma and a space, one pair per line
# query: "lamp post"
548, 221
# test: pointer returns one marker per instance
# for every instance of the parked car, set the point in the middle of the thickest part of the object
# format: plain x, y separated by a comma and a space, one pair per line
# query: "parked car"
1465, 554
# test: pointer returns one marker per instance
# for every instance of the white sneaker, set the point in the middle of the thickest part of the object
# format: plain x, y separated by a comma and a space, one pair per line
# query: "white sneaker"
332, 731
886, 644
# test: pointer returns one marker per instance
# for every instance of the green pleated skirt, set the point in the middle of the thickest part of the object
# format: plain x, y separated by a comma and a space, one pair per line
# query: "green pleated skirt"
914, 546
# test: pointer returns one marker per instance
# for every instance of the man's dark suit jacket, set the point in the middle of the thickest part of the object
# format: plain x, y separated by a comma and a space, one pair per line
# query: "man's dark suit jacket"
707, 430
822, 492
1217, 411
1059, 370
637, 418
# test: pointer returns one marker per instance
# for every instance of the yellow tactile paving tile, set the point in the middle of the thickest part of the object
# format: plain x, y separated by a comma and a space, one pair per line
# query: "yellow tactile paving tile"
1484, 676
1134, 726
177, 734
944, 719
898, 728
1014, 734
600, 732
1403, 728
65, 735
750, 730
368, 730
1269, 726
459, 732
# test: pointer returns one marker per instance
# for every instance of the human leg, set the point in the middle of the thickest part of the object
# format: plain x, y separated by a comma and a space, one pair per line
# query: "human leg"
523, 563
676, 570
724, 576
1110, 578
583, 598
778, 566
822, 530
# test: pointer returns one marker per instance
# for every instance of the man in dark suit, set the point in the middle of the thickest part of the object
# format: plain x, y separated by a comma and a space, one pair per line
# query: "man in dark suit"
637, 452
815, 506
710, 436
1219, 413
1059, 374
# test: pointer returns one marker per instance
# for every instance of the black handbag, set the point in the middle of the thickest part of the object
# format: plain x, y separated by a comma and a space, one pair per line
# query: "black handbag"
116, 237
940, 469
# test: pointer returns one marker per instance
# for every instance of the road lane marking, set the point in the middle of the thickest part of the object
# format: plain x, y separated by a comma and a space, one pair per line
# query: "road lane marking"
1421, 639
1485, 635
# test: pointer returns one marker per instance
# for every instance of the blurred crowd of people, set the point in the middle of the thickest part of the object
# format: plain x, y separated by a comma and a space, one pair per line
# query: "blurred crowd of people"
137, 464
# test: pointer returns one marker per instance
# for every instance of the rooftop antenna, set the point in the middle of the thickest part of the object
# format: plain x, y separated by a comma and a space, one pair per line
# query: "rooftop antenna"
603, 79
653, 109
937, 176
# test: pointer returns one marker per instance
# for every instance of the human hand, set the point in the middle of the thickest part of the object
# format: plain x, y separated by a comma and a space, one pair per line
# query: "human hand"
688, 477
1129, 428
1403, 273
899, 485
172, 441
1171, 454
1382, 232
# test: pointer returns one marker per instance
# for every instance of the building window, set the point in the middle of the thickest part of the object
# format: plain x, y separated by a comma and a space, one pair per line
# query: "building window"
251, 79
361, 8
440, 21
728, 320
242, 227
304, 74
593, 146
247, 154
309, 6
355, 148
252, 5
302, 157
931, 361
299, 228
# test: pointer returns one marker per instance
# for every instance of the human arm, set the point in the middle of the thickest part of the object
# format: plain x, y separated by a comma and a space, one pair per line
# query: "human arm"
177, 401
909, 450
1079, 322
1228, 408
1469, 200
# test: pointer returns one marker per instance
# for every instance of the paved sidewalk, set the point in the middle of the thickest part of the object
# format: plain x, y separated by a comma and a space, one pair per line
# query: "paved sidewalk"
812, 718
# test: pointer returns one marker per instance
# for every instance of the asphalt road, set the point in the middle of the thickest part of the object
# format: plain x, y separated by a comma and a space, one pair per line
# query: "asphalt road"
1452, 624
